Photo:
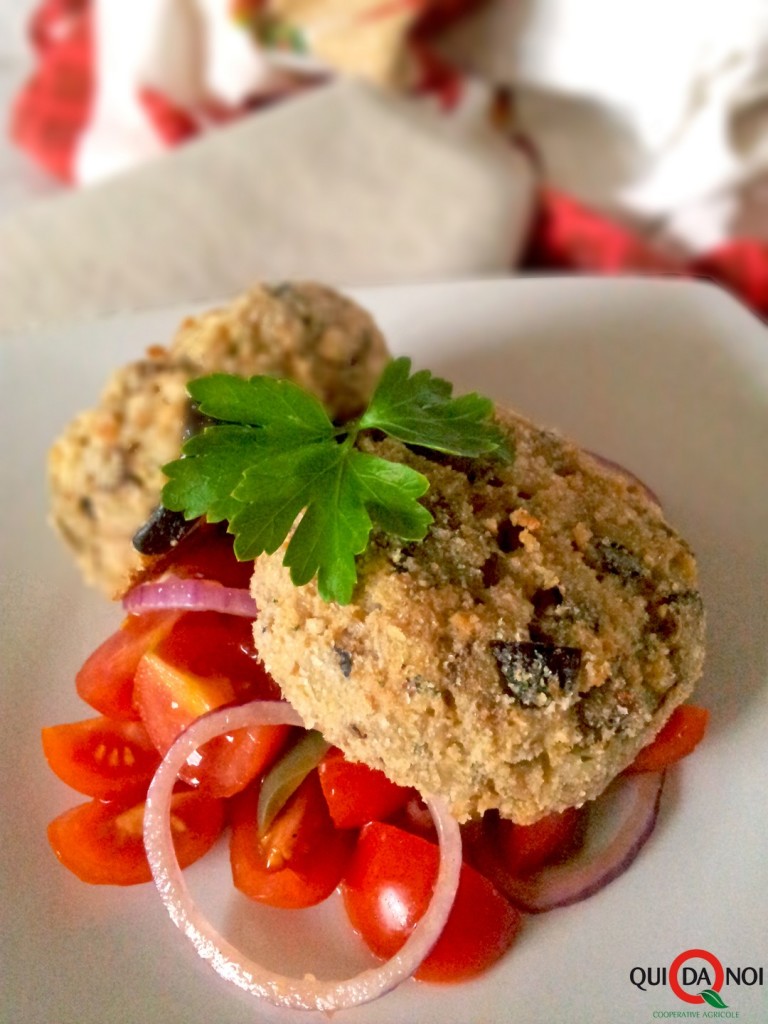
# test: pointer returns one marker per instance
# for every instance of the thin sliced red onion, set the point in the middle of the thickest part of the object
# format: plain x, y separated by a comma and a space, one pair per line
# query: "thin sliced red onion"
635, 801
192, 594
306, 993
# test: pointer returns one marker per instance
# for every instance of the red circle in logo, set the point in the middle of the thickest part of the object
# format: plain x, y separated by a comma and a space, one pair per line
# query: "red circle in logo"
695, 954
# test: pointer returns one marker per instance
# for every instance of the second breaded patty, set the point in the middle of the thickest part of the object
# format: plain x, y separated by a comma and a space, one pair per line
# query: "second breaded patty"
521, 655
104, 472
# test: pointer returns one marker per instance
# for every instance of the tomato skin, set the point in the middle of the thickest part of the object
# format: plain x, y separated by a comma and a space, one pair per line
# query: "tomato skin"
102, 842
206, 553
526, 848
102, 757
170, 698
105, 680
505, 852
230, 762
387, 889
302, 857
357, 794
215, 645
681, 734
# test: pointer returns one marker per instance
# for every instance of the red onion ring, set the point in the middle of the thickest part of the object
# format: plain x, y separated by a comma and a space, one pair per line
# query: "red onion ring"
226, 960
192, 594
636, 799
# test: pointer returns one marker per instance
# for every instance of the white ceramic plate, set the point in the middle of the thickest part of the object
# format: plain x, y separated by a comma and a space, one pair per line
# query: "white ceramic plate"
670, 379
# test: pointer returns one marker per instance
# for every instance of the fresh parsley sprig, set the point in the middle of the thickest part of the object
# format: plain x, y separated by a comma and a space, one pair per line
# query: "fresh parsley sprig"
275, 454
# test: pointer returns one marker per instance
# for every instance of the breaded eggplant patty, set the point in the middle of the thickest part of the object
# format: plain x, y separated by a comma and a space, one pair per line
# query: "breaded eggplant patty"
521, 655
105, 471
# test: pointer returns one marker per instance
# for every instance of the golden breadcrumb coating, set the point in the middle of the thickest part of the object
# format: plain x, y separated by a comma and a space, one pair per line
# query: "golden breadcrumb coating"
517, 658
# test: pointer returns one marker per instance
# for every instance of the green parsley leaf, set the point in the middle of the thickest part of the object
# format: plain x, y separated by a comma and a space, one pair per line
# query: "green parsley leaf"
276, 463
262, 402
335, 528
202, 483
418, 409
390, 491
272, 493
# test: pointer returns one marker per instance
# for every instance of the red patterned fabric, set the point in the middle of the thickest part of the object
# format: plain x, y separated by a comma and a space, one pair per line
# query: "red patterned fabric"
436, 76
171, 123
53, 108
742, 267
439, 14
50, 21
568, 237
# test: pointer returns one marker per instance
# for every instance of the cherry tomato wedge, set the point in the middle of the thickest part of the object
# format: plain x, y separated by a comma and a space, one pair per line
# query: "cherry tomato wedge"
681, 734
525, 848
501, 850
106, 679
387, 888
356, 794
102, 843
301, 858
102, 757
170, 698
205, 553
211, 644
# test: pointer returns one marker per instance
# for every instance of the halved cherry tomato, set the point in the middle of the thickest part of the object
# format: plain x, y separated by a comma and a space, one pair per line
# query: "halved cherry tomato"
526, 848
387, 888
205, 553
170, 698
681, 734
356, 794
106, 679
212, 644
102, 757
102, 843
501, 850
230, 762
301, 858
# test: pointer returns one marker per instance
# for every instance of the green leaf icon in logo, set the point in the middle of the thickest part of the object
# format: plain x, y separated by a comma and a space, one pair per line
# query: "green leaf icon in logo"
713, 998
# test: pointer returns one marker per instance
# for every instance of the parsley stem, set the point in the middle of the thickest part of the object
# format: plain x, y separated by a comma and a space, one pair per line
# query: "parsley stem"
349, 432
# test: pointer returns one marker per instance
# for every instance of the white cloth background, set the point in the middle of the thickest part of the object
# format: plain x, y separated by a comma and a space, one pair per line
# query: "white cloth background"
656, 110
